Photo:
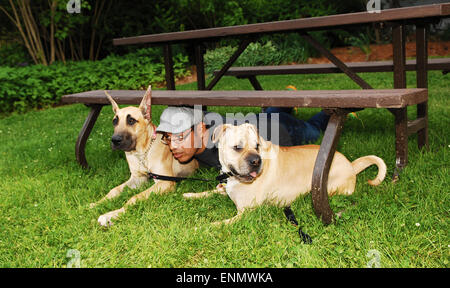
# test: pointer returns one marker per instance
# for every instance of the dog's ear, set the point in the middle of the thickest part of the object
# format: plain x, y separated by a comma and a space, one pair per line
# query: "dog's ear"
252, 128
114, 105
146, 104
263, 143
218, 132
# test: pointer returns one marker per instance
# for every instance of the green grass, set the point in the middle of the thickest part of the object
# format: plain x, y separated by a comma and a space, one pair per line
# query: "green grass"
44, 196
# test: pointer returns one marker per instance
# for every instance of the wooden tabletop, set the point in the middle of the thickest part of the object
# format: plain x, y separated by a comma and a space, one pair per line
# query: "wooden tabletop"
306, 24
376, 98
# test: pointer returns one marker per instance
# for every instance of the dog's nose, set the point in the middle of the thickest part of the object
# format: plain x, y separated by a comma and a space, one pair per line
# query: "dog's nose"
254, 160
116, 139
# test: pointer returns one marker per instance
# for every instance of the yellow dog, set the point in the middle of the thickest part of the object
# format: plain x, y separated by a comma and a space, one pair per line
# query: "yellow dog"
267, 173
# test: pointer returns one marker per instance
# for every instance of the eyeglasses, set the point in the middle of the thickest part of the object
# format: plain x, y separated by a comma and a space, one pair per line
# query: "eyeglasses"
176, 138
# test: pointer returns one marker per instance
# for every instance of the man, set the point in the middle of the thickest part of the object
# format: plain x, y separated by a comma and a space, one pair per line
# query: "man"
188, 131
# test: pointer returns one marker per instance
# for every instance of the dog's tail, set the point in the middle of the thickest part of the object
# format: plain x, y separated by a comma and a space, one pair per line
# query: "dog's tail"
362, 163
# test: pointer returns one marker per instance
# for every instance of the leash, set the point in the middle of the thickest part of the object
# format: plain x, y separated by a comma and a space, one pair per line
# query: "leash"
291, 218
221, 178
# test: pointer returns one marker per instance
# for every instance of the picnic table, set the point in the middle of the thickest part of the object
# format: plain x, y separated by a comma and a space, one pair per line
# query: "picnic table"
338, 102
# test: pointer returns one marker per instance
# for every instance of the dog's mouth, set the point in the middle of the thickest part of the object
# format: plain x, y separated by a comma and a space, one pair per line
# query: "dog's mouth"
125, 149
122, 148
123, 141
248, 177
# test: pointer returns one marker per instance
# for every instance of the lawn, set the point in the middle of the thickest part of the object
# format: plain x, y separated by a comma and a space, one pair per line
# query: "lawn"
44, 197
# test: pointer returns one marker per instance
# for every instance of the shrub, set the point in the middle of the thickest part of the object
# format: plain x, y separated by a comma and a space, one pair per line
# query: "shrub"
256, 54
22, 88
13, 54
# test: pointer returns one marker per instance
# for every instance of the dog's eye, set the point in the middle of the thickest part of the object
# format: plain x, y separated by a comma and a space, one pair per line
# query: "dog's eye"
237, 148
257, 146
131, 121
115, 121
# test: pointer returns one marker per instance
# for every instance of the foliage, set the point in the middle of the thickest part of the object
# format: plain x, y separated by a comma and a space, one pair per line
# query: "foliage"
363, 42
89, 34
22, 88
13, 54
50, 32
256, 54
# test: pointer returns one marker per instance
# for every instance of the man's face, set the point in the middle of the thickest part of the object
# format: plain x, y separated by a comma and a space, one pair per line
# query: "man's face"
182, 144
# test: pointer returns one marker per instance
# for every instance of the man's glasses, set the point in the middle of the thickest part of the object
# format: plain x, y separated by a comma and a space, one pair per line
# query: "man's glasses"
175, 138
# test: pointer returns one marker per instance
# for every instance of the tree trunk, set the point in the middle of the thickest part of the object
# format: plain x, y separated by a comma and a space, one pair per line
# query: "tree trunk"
52, 30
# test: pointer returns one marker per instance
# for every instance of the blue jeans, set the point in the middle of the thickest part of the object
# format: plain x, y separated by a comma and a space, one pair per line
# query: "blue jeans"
301, 132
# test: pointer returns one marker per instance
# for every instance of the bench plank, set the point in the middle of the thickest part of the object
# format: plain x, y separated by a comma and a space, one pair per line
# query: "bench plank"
373, 98
357, 67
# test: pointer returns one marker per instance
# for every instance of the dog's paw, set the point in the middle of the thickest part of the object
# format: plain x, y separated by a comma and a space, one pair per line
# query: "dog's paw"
199, 195
105, 220
190, 195
227, 221
217, 223
223, 222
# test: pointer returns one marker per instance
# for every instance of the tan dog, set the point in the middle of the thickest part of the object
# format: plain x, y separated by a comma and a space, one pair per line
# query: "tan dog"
267, 173
135, 134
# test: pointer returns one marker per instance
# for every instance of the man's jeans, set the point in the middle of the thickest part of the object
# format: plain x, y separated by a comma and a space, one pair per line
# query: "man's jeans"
301, 132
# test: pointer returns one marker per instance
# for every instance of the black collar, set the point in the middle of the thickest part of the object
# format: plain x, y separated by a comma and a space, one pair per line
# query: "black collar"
221, 178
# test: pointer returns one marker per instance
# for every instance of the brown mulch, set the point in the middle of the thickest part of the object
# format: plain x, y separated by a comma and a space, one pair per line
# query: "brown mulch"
382, 52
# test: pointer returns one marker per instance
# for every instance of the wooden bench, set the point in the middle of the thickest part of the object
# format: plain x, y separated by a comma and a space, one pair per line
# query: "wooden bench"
250, 73
339, 103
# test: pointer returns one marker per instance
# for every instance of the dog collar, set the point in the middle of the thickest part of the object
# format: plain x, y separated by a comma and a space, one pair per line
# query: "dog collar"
154, 131
221, 178
153, 138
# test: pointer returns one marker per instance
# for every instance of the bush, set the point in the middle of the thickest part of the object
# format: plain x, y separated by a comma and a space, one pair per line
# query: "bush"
37, 86
256, 54
13, 54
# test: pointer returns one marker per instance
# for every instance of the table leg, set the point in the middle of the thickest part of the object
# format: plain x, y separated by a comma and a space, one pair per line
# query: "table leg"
401, 138
199, 50
255, 83
168, 64
401, 120
398, 46
200, 65
84, 134
422, 79
242, 46
319, 191
336, 61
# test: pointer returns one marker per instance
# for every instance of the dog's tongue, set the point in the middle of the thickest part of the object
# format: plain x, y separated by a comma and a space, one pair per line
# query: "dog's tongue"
253, 174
